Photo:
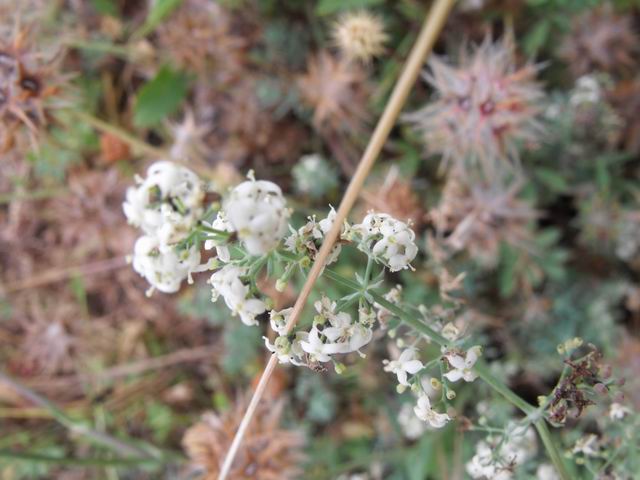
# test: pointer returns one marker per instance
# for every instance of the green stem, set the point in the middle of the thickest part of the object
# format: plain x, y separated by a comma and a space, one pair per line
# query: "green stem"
480, 368
213, 231
102, 47
552, 449
99, 438
39, 458
135, 143
32, 194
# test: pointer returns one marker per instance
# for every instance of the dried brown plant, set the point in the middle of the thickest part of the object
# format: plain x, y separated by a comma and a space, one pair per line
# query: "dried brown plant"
396, 196
336, 91
245, 132
626, 99
200, 37
485, 108
602, 40
30, 81
269, 452
478, 218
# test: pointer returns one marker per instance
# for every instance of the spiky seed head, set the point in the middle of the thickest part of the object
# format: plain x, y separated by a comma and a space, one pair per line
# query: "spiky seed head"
360, 35
29, 81
336, 91
484, 109
478, 218
268, 451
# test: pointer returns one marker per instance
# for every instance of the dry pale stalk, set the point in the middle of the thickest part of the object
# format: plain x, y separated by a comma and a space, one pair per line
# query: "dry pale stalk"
428, 34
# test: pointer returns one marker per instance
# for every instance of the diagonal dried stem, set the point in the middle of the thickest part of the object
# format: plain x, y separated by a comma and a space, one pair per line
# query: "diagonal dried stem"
424, 43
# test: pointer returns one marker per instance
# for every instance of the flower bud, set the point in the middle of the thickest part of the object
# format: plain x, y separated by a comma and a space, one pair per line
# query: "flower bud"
281, 284
340, 368
451, 394
601, 388
305, 262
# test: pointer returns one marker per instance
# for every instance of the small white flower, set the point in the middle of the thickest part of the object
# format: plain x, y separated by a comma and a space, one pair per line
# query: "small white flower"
222, 250
288, 351
586, 91
462, 366
412, 426
388, 239
227, 283
167, 203
496, 457
407, 363
163, 266
279, 319
483, 464
546, 472
318, 350
425, 413
308, 238
617, 411
258, 212
587, 445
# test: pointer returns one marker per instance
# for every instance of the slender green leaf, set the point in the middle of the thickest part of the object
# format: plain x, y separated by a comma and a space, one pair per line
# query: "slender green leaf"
160, 10
329, 7
160, 97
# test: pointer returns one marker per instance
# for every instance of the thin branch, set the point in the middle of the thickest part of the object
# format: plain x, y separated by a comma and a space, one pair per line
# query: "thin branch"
134, 142
187, 355
86, 462
426, 39
78, 428
59, 274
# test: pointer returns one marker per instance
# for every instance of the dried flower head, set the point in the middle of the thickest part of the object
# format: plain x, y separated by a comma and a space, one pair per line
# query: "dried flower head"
199, 37
268, 452
479, 218
572, 395
189, 140
397, 197
626, 99
484, 108
334, 88
360, 35
600, 40
244, 130
28, 81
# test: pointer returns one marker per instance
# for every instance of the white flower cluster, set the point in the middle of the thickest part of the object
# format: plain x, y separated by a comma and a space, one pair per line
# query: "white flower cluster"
228, 283
165, 206
387, 239
167, 203
332, 333
497, 457
308, 238
257, 211
163, 266
407, 364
